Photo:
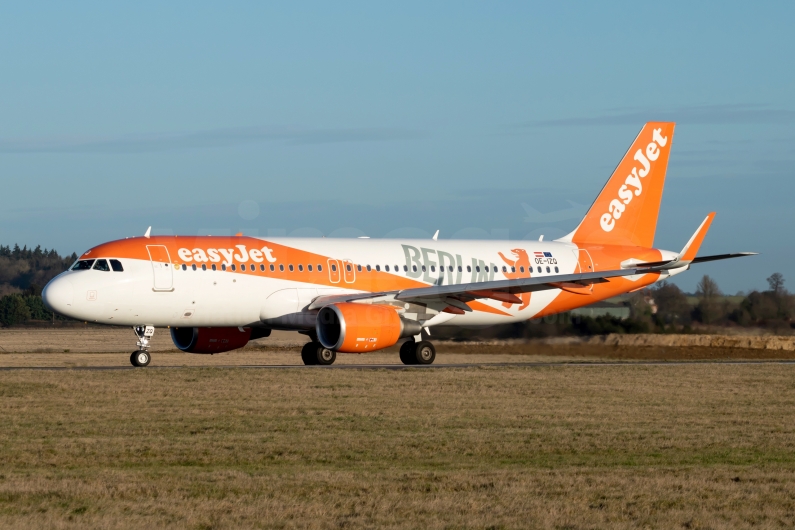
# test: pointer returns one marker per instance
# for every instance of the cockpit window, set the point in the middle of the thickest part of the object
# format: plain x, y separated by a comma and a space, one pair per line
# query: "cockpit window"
116, 265
101, 265
83, 265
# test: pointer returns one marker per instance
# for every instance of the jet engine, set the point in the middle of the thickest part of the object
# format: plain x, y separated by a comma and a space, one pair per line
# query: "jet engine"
214, 340
358, 328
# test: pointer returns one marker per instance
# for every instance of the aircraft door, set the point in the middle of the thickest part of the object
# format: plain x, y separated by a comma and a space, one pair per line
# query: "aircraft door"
349, 271
334, 271
161, 268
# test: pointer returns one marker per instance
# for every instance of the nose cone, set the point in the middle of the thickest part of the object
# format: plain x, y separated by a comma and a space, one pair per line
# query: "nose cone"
58, 295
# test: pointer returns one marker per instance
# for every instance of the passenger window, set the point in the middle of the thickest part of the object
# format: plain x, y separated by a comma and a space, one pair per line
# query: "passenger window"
348, 267
556, 269
405, 268
320, 268
504, 268
547, 268
459, 268
272, 267
469, 268
378, 268
386, 268
369, 269
223, 266
214, 267
397, 269
513, 269
423, 268
101, 265
291, 267
433, 268
234, 267
521, 269
477, 268
359, 268
309, 268
184, 267
414, 268
204, 267
116, 265
193, 266
262, 268
243, 267
333, 268
281, 268
300, 268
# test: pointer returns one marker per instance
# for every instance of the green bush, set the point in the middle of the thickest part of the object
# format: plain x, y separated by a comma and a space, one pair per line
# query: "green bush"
13, 310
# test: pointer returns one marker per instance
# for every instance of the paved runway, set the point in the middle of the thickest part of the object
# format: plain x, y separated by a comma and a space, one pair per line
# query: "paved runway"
594, 364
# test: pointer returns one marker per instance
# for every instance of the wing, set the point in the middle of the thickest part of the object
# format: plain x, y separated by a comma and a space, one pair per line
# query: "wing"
457, 295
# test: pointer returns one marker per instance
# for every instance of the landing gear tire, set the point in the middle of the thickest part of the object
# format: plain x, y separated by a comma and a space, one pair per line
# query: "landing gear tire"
140, 358
407, 352
314, 354
421, 352
424, 353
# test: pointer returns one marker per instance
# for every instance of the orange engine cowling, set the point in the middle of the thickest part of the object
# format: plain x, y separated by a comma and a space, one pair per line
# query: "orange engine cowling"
210, 340
358, 328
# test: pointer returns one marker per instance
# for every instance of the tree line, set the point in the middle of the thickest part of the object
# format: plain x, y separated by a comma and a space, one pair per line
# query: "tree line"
666, 307
23, 274
661, 308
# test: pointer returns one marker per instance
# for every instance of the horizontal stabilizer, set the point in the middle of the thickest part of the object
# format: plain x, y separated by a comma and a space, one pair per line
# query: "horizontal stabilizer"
716, 257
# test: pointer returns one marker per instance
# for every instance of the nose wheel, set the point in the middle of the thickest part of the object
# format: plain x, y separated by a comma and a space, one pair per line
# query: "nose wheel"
141, 357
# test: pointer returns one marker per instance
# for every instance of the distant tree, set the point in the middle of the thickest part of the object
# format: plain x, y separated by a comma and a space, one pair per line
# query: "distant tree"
13, 310
672, 306
36, 307
776, 283
772, 308
709, 309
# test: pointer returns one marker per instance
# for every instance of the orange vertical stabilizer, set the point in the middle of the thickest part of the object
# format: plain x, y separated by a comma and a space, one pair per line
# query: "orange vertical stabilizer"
626, 210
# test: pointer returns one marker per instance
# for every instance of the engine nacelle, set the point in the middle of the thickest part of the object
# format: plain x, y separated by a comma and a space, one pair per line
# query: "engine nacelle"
358, 328
211, 340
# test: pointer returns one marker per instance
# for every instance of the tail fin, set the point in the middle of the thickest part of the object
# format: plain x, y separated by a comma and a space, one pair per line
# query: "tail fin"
625, 212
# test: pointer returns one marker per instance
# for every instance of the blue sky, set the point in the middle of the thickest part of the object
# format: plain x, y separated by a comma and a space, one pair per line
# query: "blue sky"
479, 119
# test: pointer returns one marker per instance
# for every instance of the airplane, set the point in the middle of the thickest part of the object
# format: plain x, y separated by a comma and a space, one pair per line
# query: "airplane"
215, 294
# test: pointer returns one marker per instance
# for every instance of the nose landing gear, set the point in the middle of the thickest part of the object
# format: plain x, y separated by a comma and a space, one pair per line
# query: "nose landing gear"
141, 357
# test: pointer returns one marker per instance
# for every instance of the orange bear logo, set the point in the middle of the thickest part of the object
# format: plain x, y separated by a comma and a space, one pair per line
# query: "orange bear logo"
521, 262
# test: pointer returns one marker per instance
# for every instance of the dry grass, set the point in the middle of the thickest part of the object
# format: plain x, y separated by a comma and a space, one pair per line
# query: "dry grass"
708, 446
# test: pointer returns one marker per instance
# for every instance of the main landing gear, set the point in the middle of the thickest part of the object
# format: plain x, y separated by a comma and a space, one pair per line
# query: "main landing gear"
421, 352
314, 354
141, 356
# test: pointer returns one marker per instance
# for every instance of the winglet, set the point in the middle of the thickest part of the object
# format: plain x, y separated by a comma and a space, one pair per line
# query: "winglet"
436, 235
148, 231
691, 249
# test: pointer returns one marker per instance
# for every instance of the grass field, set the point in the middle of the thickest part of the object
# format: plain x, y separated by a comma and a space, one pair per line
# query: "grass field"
701, 446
